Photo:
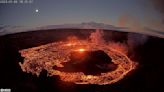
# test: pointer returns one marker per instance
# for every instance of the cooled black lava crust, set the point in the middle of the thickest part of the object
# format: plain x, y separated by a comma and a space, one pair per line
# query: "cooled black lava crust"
88, 62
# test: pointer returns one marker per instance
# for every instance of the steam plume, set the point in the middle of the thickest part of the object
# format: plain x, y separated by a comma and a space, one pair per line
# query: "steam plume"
97, 37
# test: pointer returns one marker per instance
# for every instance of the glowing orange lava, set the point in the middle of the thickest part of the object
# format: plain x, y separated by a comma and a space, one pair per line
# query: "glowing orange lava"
81, 50
54, 54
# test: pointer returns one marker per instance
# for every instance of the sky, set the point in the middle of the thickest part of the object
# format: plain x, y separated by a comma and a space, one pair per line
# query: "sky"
52, 12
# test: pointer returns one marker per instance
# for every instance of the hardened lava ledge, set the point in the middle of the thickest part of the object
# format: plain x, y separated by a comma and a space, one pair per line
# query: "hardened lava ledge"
54, 54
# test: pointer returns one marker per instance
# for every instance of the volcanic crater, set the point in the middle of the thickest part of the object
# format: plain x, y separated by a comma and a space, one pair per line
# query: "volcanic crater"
88, 62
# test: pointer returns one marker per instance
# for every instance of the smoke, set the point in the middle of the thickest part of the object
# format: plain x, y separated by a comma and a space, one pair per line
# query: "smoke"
134, 25
159, 5
123, 20
72, 39
135, 40
97, 37
127, 47
122, 47
131, 22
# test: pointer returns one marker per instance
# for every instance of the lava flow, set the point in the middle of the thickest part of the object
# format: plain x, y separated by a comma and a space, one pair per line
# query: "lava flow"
46, 57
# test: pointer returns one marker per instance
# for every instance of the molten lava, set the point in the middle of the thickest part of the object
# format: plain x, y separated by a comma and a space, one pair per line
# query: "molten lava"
81, 50
46, 57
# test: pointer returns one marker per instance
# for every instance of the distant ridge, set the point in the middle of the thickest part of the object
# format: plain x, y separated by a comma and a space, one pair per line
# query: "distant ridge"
7, 29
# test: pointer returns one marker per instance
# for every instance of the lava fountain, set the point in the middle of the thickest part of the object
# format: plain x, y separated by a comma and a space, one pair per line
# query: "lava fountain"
46, 57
